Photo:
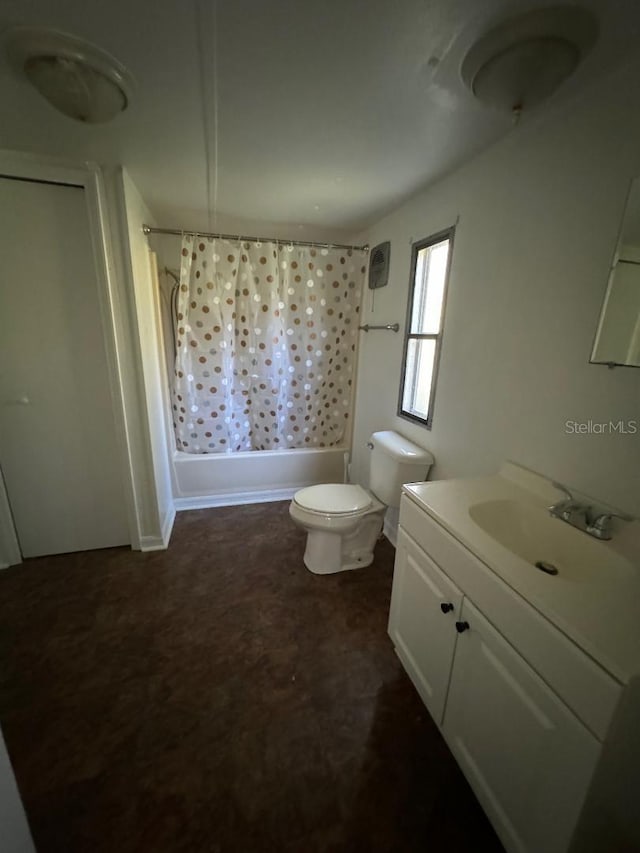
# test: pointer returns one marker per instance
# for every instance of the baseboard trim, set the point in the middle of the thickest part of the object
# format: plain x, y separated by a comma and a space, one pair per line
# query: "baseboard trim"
161, 542
152, 543
235, 499
167, 527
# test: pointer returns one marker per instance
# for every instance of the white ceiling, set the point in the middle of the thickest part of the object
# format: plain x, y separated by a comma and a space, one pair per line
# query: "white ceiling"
329, 114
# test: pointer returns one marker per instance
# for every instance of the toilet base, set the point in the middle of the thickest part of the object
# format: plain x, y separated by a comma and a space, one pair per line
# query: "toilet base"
327, 552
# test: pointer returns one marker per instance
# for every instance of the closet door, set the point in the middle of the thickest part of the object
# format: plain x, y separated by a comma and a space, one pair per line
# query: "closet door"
58, 449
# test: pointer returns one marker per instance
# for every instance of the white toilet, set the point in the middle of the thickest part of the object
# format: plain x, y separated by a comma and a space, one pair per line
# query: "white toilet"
342, 521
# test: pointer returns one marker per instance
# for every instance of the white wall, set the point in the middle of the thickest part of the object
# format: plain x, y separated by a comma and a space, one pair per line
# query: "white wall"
199, 220
539, 216
157, 505
167, 246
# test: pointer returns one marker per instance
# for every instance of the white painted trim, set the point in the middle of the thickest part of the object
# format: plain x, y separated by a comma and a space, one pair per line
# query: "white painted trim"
160, 543
41, 167
235, 498
111, 309
167, 525
152, 543
136, 381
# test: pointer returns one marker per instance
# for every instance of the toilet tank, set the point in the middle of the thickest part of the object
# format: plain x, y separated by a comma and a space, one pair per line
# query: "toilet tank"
394, 461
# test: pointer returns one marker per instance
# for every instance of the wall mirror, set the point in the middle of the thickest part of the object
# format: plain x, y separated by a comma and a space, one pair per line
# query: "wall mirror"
618, 334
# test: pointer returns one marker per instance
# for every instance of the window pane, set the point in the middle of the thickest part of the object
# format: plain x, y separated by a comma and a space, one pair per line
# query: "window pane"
421, 356
431, 272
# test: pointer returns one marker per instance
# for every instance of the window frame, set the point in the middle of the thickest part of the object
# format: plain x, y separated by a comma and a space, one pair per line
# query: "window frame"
416, 248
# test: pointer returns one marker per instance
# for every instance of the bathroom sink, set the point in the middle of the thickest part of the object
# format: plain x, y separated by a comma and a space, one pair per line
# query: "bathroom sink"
533, 535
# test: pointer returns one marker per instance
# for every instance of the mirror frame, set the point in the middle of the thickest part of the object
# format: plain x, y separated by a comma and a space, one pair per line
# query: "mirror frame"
608, 288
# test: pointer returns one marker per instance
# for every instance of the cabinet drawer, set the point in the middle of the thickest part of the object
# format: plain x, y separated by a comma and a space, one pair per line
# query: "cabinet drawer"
585, 687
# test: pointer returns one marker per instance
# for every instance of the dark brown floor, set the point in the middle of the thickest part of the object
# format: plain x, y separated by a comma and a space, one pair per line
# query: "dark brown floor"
219, 697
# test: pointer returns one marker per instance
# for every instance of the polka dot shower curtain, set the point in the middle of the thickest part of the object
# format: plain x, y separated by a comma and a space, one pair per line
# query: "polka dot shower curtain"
266, 345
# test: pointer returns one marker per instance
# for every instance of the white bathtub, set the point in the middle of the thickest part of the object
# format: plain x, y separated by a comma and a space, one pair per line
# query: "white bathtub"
221, 479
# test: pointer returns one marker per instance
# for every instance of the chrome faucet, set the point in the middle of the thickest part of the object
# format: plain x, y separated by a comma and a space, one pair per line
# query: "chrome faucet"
565, 509
581, 517
600, 526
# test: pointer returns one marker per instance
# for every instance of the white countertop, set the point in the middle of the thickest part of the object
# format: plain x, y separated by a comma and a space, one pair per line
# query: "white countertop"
601, 614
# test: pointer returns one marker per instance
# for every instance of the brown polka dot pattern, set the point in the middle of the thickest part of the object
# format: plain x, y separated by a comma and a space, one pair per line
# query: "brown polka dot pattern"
266, 350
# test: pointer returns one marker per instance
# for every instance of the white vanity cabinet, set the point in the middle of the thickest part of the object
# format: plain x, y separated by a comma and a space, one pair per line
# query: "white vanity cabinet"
489, 671
527, 757
424, 607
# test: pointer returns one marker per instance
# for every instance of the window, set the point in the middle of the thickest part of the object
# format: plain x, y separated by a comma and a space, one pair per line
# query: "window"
430, 262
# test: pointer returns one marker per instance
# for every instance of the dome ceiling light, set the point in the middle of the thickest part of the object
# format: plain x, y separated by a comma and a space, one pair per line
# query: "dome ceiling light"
79, 79
521, 62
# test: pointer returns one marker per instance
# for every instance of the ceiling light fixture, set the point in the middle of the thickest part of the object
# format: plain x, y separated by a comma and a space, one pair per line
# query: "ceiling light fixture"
522, 61
81, 80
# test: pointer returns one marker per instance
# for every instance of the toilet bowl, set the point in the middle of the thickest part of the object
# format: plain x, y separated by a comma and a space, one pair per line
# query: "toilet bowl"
344, 521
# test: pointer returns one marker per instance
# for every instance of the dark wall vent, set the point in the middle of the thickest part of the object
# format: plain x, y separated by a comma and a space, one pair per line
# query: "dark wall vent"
379, 265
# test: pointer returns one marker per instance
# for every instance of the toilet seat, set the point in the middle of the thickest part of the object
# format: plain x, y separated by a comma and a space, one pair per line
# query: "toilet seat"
342, 521
334, 499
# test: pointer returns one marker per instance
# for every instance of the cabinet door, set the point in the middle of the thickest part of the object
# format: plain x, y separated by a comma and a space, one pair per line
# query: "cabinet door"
527, 757
423, 633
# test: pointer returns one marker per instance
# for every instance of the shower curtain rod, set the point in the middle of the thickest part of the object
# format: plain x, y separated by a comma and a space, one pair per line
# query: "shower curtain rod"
148, 229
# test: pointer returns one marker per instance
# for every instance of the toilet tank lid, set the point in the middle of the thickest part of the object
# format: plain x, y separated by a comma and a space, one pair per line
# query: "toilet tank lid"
399, 447
333, 498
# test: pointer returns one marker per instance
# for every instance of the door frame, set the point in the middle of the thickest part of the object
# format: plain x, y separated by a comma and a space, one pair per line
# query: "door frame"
88, 176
